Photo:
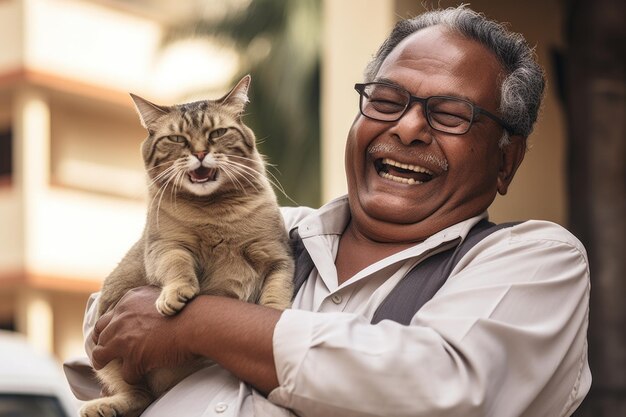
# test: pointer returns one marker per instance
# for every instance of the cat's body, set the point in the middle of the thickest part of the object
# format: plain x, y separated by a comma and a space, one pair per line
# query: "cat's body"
213, 227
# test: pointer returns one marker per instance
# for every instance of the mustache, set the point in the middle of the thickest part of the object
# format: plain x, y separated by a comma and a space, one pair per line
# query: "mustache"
420, 157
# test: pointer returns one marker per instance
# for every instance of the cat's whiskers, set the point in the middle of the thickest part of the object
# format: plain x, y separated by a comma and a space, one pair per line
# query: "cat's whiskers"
255, 173
273, 180
233, 178
165, 173
173, 173
157, 166
235, 173
178, 184
162, 189
178, 179
236, 169
175, 178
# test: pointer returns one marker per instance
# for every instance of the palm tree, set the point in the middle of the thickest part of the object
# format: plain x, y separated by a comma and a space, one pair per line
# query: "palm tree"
279, 44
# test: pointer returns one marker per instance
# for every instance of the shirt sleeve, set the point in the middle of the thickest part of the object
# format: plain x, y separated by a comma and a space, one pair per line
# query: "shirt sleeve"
505, 336
78, 371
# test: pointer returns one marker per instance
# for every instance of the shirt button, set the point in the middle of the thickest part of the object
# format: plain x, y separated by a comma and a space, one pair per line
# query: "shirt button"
336, 299
221, 407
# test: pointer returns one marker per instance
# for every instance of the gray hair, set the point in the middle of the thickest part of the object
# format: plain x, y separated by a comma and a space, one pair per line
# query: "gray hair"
524, 82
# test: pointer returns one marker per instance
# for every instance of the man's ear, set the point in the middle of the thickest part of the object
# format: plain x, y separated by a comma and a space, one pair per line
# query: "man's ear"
512, 157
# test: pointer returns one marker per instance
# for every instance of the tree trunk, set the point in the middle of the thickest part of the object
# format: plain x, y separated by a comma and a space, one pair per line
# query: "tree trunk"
594, 90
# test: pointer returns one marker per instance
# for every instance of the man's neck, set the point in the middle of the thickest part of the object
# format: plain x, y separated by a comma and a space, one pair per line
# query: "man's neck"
356, 252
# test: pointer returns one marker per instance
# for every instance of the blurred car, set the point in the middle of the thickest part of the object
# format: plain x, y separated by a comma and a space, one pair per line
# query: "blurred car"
31, 383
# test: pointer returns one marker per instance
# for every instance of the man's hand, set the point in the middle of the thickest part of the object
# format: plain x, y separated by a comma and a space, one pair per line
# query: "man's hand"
139, 336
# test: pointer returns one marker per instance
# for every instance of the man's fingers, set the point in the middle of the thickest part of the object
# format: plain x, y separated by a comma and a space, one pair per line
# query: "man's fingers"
100, 325
100, 357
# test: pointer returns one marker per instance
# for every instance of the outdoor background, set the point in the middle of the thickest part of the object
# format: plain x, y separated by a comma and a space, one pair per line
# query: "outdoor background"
72, 189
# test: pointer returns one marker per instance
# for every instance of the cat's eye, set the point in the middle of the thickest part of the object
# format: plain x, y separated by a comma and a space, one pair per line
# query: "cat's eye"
217, 133
177, 138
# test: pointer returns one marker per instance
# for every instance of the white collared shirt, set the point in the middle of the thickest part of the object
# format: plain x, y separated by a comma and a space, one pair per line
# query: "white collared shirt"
504, 336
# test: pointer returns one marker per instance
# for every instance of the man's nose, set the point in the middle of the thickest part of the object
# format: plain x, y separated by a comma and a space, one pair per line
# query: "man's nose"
413, 126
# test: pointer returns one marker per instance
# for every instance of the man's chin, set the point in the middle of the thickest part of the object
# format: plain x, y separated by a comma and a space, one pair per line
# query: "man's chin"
393, 209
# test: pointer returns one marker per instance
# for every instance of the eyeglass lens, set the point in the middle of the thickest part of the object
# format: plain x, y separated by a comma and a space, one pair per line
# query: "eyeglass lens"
387, 103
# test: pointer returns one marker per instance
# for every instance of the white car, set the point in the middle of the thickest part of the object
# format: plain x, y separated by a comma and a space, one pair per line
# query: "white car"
31, 383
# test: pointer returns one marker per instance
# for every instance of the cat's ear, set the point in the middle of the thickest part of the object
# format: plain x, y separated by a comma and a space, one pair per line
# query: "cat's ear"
148, 112
238, 96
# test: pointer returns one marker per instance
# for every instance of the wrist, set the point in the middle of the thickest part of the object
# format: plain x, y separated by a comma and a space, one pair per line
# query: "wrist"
189, 329
233, 333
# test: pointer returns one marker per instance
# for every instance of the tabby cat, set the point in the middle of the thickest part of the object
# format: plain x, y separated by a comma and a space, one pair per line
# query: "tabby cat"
213, 227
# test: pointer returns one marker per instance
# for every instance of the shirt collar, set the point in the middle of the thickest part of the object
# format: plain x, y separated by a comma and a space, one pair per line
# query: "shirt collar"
333, 218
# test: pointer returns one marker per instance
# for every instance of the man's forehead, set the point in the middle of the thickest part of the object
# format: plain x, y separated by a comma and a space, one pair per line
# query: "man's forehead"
439, 61
438, 51
435, 42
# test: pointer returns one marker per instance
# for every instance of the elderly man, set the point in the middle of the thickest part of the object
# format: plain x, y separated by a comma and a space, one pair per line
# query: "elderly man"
496, 329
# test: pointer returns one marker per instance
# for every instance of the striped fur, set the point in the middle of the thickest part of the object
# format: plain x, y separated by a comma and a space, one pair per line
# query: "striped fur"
213, 227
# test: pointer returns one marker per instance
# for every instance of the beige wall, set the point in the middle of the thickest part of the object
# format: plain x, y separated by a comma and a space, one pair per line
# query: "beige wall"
11, 240
68, 320
353, 32
96, 146
11, 34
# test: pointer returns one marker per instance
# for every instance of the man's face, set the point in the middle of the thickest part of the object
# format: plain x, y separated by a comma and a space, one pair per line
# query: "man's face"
463, 172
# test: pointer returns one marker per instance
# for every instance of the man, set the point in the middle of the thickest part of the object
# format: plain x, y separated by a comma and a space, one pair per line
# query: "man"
448, 103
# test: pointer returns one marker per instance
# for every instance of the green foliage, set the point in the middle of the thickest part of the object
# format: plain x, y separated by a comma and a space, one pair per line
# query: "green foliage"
279, 44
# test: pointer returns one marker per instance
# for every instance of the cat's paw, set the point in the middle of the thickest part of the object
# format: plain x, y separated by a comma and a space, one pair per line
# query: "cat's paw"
173, 298
99, 408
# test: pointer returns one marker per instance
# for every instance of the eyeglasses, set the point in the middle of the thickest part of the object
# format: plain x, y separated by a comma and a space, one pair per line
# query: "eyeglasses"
388, 103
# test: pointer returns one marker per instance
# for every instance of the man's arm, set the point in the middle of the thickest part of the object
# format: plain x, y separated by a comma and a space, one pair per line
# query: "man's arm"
504, 337
235, 334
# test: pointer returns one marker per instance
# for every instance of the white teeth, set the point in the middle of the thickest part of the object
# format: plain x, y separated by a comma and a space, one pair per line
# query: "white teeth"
198, 181
414, 168
409, 167
399, 179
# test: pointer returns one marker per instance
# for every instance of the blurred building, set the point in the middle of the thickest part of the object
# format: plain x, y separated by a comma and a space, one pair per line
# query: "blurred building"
72, 197
72, 188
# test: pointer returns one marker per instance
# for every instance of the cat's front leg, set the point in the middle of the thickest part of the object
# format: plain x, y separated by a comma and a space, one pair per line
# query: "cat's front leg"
277, 290
174, 272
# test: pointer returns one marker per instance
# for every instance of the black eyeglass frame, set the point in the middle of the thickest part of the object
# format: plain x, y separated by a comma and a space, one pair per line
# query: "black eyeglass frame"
360, 88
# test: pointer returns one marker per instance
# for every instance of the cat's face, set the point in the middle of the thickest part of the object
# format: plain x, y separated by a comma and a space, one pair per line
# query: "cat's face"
201, 148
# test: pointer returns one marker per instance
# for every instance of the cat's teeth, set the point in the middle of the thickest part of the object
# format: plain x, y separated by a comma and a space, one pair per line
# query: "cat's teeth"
199, 181
202, 175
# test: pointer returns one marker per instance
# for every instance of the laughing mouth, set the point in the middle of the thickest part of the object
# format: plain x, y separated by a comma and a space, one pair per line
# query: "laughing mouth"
202, 175
402, 173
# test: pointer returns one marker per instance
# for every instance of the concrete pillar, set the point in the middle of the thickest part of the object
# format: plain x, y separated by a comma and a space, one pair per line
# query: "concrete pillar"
31, 123
35, 319
352, 32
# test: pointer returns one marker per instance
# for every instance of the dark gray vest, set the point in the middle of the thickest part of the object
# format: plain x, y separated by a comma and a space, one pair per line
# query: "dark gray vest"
419, 284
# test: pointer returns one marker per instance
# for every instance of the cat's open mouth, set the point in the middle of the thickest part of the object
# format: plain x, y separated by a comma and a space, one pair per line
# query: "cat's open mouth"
402, 173
203, 174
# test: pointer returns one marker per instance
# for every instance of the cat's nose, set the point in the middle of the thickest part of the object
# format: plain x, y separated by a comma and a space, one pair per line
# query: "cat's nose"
200, 155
